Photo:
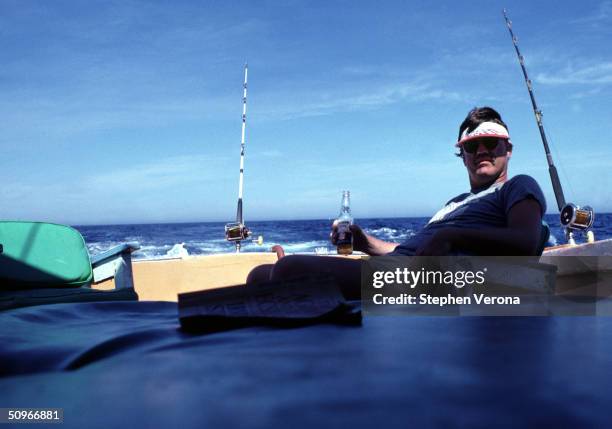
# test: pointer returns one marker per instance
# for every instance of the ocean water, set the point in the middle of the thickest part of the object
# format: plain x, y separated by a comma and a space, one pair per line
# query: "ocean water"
308, 236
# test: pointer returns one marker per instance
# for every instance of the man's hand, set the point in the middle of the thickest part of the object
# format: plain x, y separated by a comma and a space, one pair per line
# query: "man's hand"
363, 242
438, 245
360, 238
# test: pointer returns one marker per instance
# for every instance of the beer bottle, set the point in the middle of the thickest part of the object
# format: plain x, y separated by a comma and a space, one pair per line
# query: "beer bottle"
344, 221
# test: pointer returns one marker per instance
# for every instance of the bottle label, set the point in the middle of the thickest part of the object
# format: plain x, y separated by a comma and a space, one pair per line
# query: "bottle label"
345, 239
344, 232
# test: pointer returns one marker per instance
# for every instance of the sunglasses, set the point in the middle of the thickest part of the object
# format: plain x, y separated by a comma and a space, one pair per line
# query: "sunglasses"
471, 146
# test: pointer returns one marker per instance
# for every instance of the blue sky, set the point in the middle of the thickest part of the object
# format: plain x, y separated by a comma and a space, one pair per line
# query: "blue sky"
129, 111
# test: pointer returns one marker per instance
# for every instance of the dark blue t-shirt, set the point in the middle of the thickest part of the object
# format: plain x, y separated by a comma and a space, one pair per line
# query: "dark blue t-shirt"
485, 208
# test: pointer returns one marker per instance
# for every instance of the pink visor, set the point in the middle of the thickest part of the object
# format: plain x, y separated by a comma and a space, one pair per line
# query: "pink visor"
486, 129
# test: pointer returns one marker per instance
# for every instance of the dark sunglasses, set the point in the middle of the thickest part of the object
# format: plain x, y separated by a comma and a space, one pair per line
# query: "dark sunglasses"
471, 146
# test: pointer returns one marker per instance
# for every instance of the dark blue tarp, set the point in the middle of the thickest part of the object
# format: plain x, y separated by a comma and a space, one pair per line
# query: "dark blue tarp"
127, 364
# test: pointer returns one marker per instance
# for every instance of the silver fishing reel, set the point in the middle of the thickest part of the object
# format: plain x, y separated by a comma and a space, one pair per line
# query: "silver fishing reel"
577, 218
236, 231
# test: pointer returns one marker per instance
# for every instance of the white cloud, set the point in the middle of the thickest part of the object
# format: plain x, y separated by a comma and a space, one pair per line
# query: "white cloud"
598, 73
586, 94
170, 172
341, 100
600, 16
267, 154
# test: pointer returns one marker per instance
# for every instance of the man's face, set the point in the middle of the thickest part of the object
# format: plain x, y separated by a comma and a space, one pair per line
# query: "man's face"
486, 160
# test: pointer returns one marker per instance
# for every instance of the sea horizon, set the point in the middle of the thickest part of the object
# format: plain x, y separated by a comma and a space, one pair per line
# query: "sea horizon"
331, 219
177, 239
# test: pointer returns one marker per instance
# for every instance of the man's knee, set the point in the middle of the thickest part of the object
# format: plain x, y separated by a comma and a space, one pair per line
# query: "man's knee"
289, 267
260, 273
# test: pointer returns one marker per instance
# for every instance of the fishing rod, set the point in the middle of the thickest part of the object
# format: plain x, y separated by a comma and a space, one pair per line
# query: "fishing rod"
573, 218
237, 231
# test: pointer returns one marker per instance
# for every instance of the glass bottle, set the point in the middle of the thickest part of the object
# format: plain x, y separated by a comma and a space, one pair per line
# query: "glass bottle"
344, 221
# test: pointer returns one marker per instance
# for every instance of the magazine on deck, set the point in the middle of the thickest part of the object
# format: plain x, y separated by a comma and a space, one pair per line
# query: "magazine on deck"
298, 302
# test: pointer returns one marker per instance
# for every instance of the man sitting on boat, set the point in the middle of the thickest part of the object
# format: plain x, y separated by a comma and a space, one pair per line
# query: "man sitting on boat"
499, 216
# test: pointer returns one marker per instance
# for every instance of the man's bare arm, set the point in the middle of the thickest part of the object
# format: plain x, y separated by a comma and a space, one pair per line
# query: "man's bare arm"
375, 246
520, 237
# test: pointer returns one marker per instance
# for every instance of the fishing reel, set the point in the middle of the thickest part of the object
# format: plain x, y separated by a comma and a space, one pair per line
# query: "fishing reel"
236, 231
577, 218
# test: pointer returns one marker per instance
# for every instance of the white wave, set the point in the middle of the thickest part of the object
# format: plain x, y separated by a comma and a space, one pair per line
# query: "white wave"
96, 248
189, 248
145, 251
305, 246
382, 230
387, 233
211, 246
178, 251
206, 250
181, 250
103, 246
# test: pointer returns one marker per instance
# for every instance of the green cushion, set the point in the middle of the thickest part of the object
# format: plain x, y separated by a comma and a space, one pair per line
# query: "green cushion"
42, 255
